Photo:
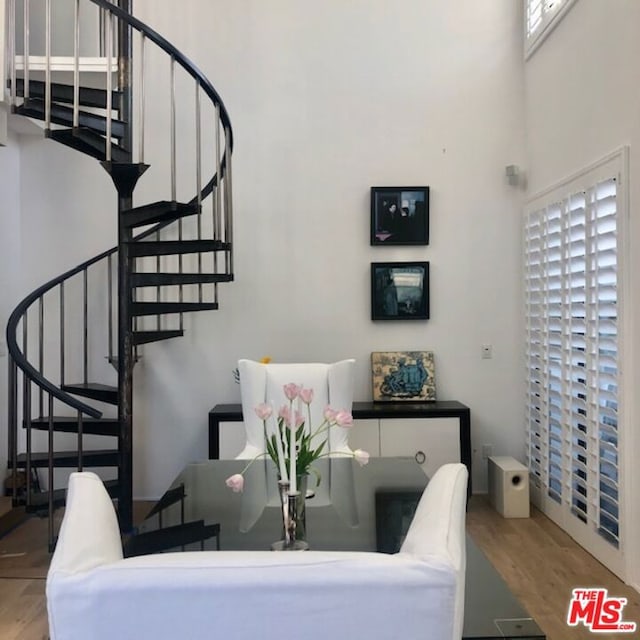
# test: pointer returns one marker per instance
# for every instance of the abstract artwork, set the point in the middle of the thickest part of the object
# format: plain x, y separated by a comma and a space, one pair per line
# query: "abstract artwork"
400, 291
399, 215
403, 376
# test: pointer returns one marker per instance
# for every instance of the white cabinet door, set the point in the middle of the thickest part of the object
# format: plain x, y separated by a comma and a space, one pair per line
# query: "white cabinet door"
432, 441
365, 435
232, 439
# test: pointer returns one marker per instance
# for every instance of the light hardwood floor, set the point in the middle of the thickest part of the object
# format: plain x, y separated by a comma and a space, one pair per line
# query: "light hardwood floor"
539, 562
542, 564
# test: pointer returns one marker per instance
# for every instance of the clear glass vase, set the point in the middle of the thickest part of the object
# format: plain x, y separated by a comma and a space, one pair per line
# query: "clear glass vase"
294, 530
300, 514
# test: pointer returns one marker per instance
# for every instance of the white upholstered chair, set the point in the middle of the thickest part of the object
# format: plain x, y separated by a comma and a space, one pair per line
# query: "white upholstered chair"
332, 385
92, 592
430, 528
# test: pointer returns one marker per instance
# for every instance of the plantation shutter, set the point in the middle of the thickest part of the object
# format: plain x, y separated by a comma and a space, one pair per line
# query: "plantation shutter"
572, 298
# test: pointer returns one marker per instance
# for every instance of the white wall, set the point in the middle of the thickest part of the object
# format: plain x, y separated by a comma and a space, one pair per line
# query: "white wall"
9, 274
327, 99
581, 104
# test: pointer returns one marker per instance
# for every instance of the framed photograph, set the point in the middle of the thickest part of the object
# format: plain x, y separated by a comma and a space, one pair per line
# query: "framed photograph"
399, 215
399, 290
403, 375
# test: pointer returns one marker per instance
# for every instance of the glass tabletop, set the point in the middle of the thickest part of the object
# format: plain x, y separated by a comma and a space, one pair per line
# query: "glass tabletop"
340, 516
352, 509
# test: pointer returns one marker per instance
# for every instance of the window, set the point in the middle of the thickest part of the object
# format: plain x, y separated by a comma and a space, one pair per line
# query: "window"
541, 17
572, 252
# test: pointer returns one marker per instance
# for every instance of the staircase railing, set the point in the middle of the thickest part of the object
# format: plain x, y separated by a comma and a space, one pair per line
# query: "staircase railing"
35, 389
35, 383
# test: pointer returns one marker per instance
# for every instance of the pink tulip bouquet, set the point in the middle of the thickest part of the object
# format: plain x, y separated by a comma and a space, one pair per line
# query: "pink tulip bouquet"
293, 447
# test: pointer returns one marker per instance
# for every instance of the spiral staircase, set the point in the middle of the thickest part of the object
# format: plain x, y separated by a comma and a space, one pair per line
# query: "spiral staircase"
170, 257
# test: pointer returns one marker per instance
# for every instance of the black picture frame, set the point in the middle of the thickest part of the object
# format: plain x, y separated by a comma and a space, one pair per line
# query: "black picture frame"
399, 216
400, 291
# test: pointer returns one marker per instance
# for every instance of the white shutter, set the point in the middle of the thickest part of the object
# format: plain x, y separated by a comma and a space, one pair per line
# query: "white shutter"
603, 271
572, 300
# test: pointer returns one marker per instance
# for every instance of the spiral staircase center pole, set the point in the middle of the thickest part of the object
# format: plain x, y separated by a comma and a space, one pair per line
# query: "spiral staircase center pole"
125, 370
125, 176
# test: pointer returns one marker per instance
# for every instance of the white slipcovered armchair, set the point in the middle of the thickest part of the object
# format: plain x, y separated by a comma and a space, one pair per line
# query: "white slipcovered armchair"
93, 593
332, 385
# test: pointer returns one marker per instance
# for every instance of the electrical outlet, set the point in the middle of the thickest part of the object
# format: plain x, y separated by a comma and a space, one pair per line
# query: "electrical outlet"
487, 451
487, 351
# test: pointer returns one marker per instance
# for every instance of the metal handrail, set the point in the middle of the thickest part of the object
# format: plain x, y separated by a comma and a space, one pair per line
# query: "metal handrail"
194, 72
16, 353
180, 58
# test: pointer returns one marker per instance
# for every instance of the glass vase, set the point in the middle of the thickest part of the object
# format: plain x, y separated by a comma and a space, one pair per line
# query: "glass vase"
294, 530
300, 513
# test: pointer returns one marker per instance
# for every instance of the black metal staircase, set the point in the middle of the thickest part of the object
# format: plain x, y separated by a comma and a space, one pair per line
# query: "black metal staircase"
173, 266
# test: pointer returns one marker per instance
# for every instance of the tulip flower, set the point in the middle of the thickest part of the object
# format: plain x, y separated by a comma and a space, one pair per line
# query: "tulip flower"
361, 457
293, 449
344, 418
306, 395
235, 482
284, 414
264, 411
291, 391
329, 414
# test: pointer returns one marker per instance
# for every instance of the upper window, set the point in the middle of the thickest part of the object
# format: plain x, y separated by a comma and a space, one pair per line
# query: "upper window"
541, 16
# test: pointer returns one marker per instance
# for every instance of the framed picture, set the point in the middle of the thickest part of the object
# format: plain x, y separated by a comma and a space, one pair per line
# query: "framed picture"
399, 215
403, 375
399, 290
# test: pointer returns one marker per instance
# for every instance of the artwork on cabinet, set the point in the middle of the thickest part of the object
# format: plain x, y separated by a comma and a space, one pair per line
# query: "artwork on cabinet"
399, 290
403, 376
399, 215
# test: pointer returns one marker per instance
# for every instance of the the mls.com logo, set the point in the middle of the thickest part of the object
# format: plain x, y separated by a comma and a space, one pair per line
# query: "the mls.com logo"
596, 610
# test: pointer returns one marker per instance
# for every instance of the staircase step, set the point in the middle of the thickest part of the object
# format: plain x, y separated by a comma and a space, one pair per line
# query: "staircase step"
114, 360
157, 308
99, 458
67, 424
144, 337
173, 247
158, 212
40, 501
35, 108
159, 279
89, 97
88, 142
170, 537
94, 390
169, 498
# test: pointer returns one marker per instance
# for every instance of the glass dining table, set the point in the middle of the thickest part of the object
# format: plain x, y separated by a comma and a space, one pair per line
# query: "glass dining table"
352, 508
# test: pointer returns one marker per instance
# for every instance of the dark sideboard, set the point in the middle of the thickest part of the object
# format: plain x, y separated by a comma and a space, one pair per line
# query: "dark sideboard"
372, 411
